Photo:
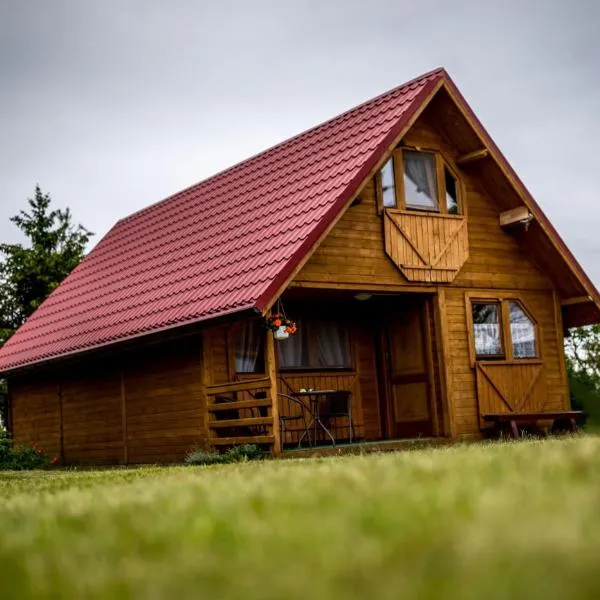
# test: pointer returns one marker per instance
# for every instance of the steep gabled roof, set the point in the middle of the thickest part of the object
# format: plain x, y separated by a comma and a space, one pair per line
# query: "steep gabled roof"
221, 246
231, 242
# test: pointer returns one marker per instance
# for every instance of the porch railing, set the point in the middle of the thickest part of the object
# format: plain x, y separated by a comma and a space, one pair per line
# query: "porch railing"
240, 412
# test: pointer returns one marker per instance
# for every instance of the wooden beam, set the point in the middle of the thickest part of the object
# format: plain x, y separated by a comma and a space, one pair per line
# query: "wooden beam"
124, 419
576, 300
249, 422
472, 156
238, 405
238, 386
271, 368
515, 215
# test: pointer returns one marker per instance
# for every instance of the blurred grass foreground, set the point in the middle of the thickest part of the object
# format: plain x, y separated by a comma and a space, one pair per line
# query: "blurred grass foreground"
497, 520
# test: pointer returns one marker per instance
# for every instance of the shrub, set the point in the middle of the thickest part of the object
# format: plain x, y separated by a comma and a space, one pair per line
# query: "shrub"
242, 453
22, 458
203, 457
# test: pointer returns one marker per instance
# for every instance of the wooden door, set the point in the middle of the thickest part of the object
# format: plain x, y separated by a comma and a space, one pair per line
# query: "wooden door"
409, 371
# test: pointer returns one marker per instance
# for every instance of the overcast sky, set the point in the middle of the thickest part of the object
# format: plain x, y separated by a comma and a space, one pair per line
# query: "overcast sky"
112, 105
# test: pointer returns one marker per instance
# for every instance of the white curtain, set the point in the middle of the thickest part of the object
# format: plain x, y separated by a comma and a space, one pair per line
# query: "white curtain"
247, 347
487, 339
388, 184
332, 344
421, 190
290, 350
522, 333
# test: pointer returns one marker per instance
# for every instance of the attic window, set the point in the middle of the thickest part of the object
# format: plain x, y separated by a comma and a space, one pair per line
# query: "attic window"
419, 181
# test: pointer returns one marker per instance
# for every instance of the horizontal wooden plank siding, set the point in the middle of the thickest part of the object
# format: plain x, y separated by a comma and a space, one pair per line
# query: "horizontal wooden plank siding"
165, 403
92, 427
354, 255
36, 413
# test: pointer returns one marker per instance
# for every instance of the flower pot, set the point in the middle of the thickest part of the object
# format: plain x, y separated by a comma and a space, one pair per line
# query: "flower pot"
280, 333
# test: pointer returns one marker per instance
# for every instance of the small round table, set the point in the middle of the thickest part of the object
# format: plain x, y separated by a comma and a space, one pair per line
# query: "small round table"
313, 397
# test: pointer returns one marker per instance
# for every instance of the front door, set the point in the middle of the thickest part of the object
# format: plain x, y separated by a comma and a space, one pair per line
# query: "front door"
410, 406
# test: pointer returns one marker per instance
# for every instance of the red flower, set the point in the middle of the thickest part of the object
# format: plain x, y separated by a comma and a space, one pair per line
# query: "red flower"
277, 322
54, 460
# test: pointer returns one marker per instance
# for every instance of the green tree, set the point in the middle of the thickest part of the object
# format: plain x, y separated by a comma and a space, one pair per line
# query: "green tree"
583, 366
29, 273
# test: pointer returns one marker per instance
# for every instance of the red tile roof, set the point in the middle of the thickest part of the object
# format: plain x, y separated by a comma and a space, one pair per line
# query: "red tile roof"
224, 245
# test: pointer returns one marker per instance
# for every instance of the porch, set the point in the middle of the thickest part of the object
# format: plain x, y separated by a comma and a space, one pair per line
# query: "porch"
380, 355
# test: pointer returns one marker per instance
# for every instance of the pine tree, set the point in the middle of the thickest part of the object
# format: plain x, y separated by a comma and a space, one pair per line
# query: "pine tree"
29, 273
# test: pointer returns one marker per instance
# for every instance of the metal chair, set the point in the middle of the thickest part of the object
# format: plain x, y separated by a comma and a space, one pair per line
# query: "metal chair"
292, 409
338, 405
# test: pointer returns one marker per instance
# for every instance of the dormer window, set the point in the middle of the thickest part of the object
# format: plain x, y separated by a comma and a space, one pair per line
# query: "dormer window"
419, 181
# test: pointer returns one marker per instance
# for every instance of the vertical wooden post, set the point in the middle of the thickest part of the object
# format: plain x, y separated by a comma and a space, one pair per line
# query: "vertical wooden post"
560, 340
204, 380
61, 423
124, 418
431, 383
441, 328
271, 368
9, 411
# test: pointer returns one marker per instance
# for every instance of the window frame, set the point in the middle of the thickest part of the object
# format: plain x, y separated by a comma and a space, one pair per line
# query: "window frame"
505, 325
441, 162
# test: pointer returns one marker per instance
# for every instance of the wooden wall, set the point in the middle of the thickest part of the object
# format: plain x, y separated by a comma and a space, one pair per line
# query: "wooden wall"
91, 415
142, 407
353, 256
35, 414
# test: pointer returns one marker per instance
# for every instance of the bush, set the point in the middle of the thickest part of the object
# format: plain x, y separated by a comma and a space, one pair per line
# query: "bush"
22, 458
235, 454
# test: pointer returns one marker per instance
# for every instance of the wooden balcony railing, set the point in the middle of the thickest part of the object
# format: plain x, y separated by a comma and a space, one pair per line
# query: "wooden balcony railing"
240, 412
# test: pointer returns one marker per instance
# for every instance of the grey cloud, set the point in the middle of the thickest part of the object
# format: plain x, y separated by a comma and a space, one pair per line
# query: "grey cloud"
113, 105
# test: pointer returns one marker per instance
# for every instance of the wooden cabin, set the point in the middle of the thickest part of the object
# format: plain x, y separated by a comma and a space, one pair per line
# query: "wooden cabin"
425, 283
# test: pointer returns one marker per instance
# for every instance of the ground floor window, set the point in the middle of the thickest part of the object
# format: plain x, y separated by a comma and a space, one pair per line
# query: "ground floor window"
249, 348
318, 344
502, 329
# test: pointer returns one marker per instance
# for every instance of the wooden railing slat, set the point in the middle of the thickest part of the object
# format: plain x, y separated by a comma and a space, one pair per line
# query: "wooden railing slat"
238, 386
220, 406
247, 422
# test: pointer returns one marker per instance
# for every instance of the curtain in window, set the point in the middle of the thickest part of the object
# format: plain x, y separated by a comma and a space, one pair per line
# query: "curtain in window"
388, 184
419, 168
487, 339
247, 347
486, 329
318, 344
522, 332
332, 344
290, 351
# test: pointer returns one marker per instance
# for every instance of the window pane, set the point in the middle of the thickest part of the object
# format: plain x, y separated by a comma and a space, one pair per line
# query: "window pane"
332, 346
451, 193
388, 184
318, 344
292, 352
522, 332
486, 325
249, 354
420, 180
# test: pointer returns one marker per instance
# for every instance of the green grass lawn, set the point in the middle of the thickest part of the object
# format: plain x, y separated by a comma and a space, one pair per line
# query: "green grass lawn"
518, 520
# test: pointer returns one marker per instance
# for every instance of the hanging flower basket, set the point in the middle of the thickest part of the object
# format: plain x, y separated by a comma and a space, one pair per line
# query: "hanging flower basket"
281, 326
